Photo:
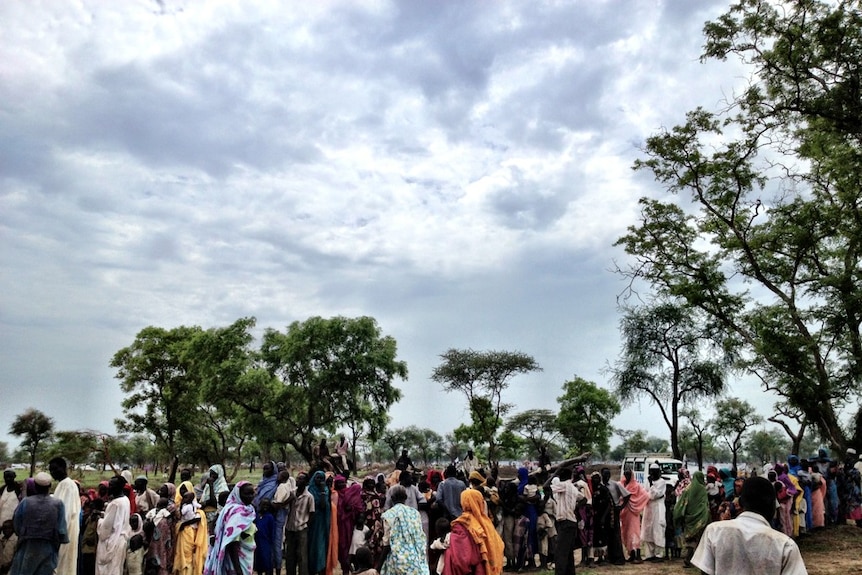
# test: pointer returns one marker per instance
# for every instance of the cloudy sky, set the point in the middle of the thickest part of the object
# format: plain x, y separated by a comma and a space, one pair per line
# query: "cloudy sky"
457, 170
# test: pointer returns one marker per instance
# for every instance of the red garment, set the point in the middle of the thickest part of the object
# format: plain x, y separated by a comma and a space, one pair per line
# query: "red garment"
630, 516
463, 556
349, 507
130, 493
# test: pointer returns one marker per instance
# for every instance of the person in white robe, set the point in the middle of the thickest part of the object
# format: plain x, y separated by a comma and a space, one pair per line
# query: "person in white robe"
654, 521
67, 491
113, 531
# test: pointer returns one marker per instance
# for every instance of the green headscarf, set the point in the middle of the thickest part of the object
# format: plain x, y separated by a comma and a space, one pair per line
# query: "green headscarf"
692, 508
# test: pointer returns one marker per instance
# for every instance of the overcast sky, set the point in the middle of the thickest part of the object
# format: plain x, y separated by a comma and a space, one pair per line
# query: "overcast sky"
457, 170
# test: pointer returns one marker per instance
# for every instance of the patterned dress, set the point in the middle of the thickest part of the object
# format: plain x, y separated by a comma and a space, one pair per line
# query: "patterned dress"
406, 542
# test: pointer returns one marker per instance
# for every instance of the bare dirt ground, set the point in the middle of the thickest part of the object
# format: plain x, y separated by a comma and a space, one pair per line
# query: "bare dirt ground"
829, 551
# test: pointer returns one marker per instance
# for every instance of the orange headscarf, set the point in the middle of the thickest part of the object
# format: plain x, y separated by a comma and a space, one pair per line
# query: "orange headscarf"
481, 530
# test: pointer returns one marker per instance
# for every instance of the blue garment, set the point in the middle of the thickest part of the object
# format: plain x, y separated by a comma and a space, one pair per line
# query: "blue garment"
264, 539
266, 488
40, 522
449, 495
318, 527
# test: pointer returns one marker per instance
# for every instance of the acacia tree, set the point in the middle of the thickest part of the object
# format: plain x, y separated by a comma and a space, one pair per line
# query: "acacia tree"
585, 416
785, 412
698, 431
733, 419
771, 247
671, 355
765, 445
536, 427
482, 376
34, 428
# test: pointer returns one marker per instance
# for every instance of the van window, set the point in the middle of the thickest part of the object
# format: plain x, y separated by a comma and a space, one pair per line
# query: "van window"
669, 468
639, 466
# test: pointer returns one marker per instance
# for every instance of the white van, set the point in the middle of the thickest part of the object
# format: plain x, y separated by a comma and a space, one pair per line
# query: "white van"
639, 464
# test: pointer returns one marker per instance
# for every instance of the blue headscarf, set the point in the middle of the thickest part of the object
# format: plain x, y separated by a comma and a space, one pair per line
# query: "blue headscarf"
267, 486
523, 477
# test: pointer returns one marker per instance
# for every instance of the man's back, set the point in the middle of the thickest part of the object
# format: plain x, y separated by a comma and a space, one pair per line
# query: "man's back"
747, 544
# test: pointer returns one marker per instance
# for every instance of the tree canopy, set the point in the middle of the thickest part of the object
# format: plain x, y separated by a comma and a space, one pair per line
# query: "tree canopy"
34, 428
586, 415
770, 245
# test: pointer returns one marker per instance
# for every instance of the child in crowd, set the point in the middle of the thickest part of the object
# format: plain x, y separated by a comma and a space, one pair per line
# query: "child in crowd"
90, 537
363, 563
263, 538
360, 535
547, 530
8, 541
189, 507
135, 551
441, 543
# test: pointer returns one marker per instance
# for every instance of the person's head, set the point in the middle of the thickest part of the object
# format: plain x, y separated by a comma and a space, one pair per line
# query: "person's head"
188, 497
134, 521
363, 559
185, 474
654, 471
339, 483
162, 503
319, 479
97, 505
140, 484
42, 483
9, 478
265, 506
103, 489
628, 474
164, 490
268, 469
213, 475
57, 468
595, 480
565, 473
283, 476
758, 496
469, 454
246, 493
116, 485
450, 471
423, 486
442, 526
405, 479
398, 494
368, 484
360, 522
7, 529
606, 475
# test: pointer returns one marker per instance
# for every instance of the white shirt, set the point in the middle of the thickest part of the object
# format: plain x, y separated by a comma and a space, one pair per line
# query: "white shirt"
566, 496
747, 544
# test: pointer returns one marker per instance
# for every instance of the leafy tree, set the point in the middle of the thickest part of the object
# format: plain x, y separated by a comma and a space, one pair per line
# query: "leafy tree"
765, 445
785, 412
425, 443
586, 412
536, 427
733, 419
395, 440
671, 355
312, 375
161, 396
483, 377
77, 447
637, 441
771, 249
511, 445
34, 428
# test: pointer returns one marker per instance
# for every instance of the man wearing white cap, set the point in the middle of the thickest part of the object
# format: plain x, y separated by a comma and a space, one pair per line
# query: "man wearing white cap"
654, 520
40, 522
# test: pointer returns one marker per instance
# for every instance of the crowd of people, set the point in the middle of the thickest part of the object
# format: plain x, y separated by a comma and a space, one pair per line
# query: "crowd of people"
457, 521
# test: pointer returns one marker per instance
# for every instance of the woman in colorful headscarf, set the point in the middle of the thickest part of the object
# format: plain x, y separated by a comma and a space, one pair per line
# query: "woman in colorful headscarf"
332, 545
232, 552
372, 502
475, 547
683, 477
215, 486
318, 526
692, 513
159, 556
404, 542
785, 498
630, 516
818, 497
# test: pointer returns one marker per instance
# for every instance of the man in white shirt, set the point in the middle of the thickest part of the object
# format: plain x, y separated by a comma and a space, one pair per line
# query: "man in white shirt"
748, 544
654, 520
566, 497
